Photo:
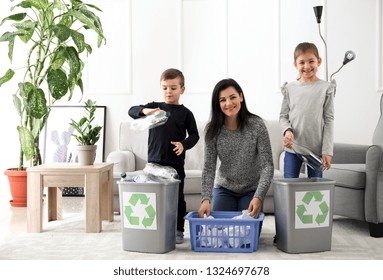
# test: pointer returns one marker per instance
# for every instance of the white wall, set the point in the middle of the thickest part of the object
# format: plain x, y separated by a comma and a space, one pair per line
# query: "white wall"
251, 41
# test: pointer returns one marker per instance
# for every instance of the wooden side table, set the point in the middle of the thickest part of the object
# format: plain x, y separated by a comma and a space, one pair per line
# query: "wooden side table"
97, 180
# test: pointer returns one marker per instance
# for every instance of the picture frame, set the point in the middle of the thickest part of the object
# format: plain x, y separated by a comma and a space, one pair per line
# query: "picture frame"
59, 144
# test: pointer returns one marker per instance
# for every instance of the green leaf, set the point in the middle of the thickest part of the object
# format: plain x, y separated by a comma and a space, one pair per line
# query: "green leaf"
89, 20
38, 4
8, 76
75, 63
15, 17
37, 103
66, 20
59, 59
25, 89
27, 142
79, 40
17, 104
11, 45
57, 83
28, 28
94, 7
60, 6
62, 32
7, 36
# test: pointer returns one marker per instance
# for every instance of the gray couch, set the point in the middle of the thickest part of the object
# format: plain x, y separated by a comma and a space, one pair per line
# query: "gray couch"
132, 157
358, 172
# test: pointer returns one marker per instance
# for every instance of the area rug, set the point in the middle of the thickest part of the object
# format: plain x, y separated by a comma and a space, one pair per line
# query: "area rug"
67, 240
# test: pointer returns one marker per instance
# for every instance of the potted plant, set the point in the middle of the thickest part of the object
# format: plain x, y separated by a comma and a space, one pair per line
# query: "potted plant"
54, 34
87, 134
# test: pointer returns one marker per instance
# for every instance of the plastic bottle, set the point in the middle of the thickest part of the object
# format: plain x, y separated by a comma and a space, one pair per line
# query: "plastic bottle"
125, 177
308, 157
150, 121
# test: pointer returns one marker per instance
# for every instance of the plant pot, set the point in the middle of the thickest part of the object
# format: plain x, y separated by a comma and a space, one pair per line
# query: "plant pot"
86, 154
18, 185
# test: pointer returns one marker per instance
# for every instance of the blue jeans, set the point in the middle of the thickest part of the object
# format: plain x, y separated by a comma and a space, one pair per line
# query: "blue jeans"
226, 200
293, 166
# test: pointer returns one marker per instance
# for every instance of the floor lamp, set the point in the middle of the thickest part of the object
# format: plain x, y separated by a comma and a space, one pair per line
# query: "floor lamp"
349, 55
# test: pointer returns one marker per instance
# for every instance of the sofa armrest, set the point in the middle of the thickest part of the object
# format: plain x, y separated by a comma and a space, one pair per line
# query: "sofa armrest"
124, 161
374, 185
349, 153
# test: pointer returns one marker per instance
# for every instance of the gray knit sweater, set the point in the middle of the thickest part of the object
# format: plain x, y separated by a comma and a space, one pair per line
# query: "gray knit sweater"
308, 108
245, 158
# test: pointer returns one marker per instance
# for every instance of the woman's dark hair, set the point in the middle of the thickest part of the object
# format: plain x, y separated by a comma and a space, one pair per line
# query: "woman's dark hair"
217, 117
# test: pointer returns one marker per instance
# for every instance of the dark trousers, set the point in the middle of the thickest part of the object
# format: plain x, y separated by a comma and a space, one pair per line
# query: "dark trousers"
181, 199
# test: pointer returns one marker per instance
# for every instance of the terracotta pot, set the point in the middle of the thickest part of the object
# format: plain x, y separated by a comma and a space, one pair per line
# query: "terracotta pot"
18, 185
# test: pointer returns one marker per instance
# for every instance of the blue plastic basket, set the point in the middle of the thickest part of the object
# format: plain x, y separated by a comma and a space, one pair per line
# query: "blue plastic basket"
223, 233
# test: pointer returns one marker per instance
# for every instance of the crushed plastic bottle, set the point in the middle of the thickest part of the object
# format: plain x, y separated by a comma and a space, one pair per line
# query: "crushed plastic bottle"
158, 118
157, 170
308, 157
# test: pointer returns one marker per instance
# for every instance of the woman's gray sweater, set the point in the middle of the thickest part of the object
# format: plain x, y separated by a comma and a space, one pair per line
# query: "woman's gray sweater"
245, 158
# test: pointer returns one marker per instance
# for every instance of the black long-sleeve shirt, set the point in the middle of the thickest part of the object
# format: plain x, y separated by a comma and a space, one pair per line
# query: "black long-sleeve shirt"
180, 127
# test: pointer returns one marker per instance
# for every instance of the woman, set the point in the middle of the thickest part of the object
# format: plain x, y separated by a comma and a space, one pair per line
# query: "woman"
240, 140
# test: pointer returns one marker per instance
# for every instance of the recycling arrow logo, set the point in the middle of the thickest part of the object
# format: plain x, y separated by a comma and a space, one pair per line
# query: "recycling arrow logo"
139, 210
312, 209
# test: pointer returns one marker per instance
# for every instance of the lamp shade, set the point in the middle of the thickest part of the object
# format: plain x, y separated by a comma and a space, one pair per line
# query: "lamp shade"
348, 56
318, 13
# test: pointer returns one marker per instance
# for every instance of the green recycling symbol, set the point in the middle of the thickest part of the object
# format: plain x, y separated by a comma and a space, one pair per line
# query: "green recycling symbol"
139, 212
310, 202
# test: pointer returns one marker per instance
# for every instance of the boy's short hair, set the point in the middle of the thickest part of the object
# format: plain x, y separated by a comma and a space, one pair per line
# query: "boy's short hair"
305, 47
171, 74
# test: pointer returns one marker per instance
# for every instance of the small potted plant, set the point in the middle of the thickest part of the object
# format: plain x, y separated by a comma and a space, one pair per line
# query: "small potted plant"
87, 134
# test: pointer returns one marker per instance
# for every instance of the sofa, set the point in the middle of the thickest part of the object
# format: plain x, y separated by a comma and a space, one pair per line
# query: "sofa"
358, 172
131, 158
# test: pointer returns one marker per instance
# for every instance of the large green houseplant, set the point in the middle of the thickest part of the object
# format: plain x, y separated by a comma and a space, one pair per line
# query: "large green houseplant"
54, 32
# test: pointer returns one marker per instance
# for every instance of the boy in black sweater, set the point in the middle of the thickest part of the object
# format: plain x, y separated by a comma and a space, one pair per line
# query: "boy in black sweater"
168, 143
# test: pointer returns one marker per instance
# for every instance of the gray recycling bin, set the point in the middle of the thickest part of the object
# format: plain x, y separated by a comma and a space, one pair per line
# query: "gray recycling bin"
149, 216
303, 214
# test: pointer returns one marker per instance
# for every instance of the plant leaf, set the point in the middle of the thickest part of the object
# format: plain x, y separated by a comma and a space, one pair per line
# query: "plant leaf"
57, 83
17, 104
59, 58
27, 27
8, 76
79, 40
7, 36
89, 20
62, 32
15, 17
38, 4
26, 142
37, 103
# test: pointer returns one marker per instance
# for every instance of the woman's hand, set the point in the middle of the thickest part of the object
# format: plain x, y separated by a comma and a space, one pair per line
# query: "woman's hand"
255, 207
205, 208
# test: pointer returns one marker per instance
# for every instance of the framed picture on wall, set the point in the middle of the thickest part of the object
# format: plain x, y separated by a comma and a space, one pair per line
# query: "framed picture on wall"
59, 144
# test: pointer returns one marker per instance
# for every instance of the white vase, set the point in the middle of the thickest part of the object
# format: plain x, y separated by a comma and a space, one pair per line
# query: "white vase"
86, 154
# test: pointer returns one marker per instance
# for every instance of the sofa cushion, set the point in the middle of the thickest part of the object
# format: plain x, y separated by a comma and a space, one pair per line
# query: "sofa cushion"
347, 175
193, 181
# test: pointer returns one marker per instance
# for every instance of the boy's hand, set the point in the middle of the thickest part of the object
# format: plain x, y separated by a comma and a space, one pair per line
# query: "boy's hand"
179, 148
148, 111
